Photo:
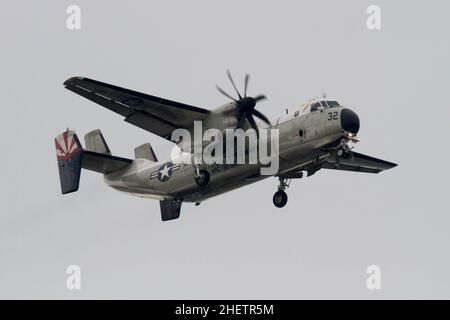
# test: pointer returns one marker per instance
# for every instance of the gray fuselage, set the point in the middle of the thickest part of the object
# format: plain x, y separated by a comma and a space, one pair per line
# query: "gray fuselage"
301, 139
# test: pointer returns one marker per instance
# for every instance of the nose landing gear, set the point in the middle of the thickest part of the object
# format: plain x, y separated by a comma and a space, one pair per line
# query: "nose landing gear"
343, 150
280, 197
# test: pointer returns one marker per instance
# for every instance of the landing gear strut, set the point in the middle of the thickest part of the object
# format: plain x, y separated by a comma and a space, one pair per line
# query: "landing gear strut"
343, 150
201, 177
280, 197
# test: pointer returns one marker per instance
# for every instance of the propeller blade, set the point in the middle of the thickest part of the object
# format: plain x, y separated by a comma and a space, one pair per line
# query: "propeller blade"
260, 97
261, 116
252, 122
241, 120
225, 94
232, 82
247, 76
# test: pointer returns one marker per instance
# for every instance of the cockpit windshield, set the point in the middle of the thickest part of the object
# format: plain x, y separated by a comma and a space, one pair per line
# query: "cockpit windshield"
324, 104
332, 104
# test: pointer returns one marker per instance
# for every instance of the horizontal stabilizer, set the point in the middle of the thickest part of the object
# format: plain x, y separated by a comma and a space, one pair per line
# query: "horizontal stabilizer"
103, 163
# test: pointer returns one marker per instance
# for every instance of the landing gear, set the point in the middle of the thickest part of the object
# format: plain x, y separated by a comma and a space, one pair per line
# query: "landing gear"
343, 152
201, 177
280, 197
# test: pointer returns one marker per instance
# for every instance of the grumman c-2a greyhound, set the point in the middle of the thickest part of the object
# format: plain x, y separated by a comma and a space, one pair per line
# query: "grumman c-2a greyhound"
315, 137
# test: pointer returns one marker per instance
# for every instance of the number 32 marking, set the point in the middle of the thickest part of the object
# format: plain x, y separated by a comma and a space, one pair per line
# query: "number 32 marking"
332, 115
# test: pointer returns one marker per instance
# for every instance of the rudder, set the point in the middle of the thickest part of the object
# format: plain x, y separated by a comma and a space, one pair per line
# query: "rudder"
69, 154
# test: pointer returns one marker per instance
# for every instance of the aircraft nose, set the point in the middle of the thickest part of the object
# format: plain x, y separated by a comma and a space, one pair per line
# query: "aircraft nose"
349, 121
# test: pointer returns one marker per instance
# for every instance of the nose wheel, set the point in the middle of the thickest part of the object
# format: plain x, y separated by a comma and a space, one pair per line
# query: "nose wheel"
280, 197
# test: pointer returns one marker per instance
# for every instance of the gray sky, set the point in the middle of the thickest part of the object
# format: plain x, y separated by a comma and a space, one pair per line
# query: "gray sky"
237, 245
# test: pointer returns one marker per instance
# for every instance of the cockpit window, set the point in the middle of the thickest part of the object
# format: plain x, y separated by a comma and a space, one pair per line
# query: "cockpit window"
315, 106
333, 103
324, 104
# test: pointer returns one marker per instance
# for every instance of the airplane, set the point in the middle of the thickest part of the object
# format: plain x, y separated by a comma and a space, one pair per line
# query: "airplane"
316, 136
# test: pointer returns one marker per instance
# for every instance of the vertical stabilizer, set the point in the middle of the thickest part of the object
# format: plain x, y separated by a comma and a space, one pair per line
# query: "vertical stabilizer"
69, 154
95, 142
145, 151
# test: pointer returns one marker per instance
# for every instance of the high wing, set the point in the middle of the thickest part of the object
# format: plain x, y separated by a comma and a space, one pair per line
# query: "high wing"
156, 115
357, 162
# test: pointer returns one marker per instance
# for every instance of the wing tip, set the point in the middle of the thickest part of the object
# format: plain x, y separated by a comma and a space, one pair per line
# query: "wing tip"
390, 165
72, 81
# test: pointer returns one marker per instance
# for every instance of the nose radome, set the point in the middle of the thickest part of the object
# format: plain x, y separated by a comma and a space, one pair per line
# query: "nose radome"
349, 121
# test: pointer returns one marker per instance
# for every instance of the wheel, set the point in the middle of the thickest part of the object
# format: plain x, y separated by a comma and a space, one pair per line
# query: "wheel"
202, 179
342, 153
280, 199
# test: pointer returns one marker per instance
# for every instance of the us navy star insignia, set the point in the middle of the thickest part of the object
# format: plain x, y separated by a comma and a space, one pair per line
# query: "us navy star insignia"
164, 172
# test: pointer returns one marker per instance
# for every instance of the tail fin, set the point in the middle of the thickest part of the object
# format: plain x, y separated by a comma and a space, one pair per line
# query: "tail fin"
95, 142
71, 158
69, 154
145, 151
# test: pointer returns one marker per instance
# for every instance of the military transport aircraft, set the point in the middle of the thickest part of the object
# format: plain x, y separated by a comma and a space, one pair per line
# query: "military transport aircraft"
314, 137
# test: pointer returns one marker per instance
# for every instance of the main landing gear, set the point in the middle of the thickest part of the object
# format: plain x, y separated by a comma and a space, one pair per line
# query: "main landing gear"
280, 197
201, 177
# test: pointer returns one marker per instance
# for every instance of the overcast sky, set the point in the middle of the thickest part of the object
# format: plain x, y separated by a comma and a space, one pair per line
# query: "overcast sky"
237, 245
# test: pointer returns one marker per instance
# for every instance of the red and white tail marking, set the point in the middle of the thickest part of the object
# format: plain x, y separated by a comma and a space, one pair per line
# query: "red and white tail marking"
66, 145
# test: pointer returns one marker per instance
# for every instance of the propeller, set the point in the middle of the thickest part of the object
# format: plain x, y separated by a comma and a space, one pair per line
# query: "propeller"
245, 106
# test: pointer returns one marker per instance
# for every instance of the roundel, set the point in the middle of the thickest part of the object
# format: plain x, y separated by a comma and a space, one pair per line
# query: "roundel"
165, 171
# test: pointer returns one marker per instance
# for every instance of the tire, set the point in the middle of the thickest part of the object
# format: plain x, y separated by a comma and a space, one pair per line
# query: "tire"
202, 179
280, 199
